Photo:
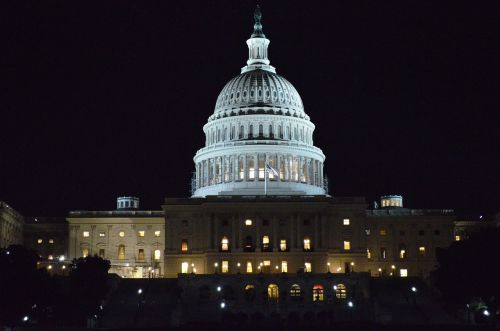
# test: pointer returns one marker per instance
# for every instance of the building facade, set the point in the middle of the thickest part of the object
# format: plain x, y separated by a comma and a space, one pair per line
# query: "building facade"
11, 226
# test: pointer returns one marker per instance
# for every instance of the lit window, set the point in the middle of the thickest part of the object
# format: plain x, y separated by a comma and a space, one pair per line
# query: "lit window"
347, 245
184, 267
368, 254
308, 267
340, 291
86, 234
403, 272
121, 234
284, 266
102, 234
265, 243
421, 250
249, 267
225, 266
224, 244
248, 222
266, 267
51, 241
50, 257
184, 245
347, 221
318, 293
121, 252
157, 254
383, 232
272, 292
402, 253
457, 238
85, 252
283, 245
157, 233
295, 291
140, 255
307, 244
142, 233
39, 241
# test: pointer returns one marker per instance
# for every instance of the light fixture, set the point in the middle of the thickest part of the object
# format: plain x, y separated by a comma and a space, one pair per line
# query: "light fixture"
139, 291
218, 288
350, 304
222, 305
393, 266
25, 318
486, 312
413, 289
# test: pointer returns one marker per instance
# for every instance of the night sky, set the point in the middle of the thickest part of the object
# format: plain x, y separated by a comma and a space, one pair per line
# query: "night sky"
106, 98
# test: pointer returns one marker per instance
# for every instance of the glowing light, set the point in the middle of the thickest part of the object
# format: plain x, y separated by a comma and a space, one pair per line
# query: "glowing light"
413, 289
63, 267
352, 263
393, 266
334, 287
350, 304
379, 269
328, 263
218, 288
238, 264
222, 305
339, 269
49, 267
486, 313
62, 258
139, 291
25, 318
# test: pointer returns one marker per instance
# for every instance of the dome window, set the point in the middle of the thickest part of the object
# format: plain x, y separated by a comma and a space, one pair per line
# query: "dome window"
274, 94
251, 93
244, 94
232, 95
238, 95
260, 93
267, 94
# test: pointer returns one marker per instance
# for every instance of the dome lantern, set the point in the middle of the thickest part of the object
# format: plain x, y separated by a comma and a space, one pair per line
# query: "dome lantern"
257, 47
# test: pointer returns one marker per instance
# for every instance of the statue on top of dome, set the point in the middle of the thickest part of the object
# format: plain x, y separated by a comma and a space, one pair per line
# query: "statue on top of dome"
257, 27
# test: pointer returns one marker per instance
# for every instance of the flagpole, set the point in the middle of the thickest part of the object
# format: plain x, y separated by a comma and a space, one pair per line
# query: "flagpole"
265, 180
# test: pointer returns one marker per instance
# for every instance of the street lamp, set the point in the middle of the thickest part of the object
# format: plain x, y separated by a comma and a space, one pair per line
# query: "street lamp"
222, 305
328, 267
238, 265
350, 304
413, 289
139, 291
218, 288
215, 266
25, 318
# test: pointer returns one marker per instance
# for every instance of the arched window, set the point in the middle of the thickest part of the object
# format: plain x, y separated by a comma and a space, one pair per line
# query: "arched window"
272, 292
251, 168
304, 172
402, 251
340, 291
121, 252
280, 132
224, 244
232, 133
241, 172
318, 293
250, 131
295, 292
241, 133
271, 133
157, 255
249, 293
265, 244
261, 131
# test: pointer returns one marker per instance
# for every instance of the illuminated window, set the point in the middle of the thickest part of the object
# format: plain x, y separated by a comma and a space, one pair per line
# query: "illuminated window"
273, 292
457, 238
346, 221
248, 222
86, 234
318, 293
307, 244
157, 255
39, 241
383, 253
266, 267
308, 267
51, 241
102, 252
184, 245
283, 245
121, 234
102, 234
383, 232
295, 291
85, 252
340, 291
249, 267
140, 255
368, 254
224, 244
50, 257
284, 266
265, 243
141, 233
121, 252
251, 169
402, 251
421, 250
157, 233
184, 267
225, 266
403, 272
347, 245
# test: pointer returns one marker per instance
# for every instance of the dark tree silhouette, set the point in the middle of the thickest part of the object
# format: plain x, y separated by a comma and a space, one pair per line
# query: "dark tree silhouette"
469, 269
88, 285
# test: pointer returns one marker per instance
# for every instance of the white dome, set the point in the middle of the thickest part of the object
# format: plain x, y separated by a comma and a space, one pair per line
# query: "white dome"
258, 92
259, 140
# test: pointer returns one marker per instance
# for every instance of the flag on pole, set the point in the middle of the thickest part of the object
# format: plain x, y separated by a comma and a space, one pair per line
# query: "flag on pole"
271, 170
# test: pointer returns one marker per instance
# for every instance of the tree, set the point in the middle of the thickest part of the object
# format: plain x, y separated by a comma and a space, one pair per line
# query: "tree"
469, 269
88, 284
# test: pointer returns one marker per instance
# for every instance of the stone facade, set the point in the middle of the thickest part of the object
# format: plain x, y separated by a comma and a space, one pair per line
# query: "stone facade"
11, 226
132, 240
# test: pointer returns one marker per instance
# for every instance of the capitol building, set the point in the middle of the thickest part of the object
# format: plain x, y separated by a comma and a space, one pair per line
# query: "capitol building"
260, 204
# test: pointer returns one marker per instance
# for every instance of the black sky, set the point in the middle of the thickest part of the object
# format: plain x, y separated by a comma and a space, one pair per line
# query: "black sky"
108, 98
